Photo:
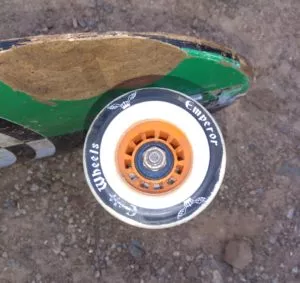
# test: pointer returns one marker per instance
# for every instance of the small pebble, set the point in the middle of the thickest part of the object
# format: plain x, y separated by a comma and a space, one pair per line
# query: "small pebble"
260, 190
34, 188
272, 239
176, 253
10, 204
3, 229
74, 22
107, 8
13, 263
260, 217
97, 274
295, 270
189, 258
290, 213
25, 192
17, 187
56, 187
217, 277
238, 254
56, 250
60, 238
265, 276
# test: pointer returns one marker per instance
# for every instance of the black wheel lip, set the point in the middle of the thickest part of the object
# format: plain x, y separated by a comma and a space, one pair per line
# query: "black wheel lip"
155, 218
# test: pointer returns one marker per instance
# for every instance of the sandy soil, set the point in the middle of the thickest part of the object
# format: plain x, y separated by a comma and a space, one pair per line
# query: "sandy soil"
52, 229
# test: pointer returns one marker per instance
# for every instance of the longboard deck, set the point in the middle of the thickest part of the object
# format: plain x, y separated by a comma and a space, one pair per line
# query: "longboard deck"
53, 86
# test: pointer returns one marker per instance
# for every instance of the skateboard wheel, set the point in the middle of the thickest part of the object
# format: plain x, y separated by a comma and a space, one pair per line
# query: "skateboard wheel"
154, 158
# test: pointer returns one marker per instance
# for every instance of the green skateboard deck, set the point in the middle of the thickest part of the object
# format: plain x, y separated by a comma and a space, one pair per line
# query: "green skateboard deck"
52, 87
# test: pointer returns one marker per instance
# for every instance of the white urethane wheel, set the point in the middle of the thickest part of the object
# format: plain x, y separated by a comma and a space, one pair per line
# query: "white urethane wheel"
154, 158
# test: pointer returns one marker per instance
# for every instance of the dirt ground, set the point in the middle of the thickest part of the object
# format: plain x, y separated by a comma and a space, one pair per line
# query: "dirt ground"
52, 229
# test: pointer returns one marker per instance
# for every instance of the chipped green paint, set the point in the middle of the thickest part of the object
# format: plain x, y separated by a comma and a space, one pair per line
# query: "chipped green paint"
218, 58
202, 72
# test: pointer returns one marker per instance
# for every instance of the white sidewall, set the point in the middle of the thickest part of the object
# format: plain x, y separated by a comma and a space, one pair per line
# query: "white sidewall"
155, 110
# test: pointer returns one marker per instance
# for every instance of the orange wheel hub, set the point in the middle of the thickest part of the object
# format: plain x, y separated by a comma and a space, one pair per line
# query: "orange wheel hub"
154, 157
